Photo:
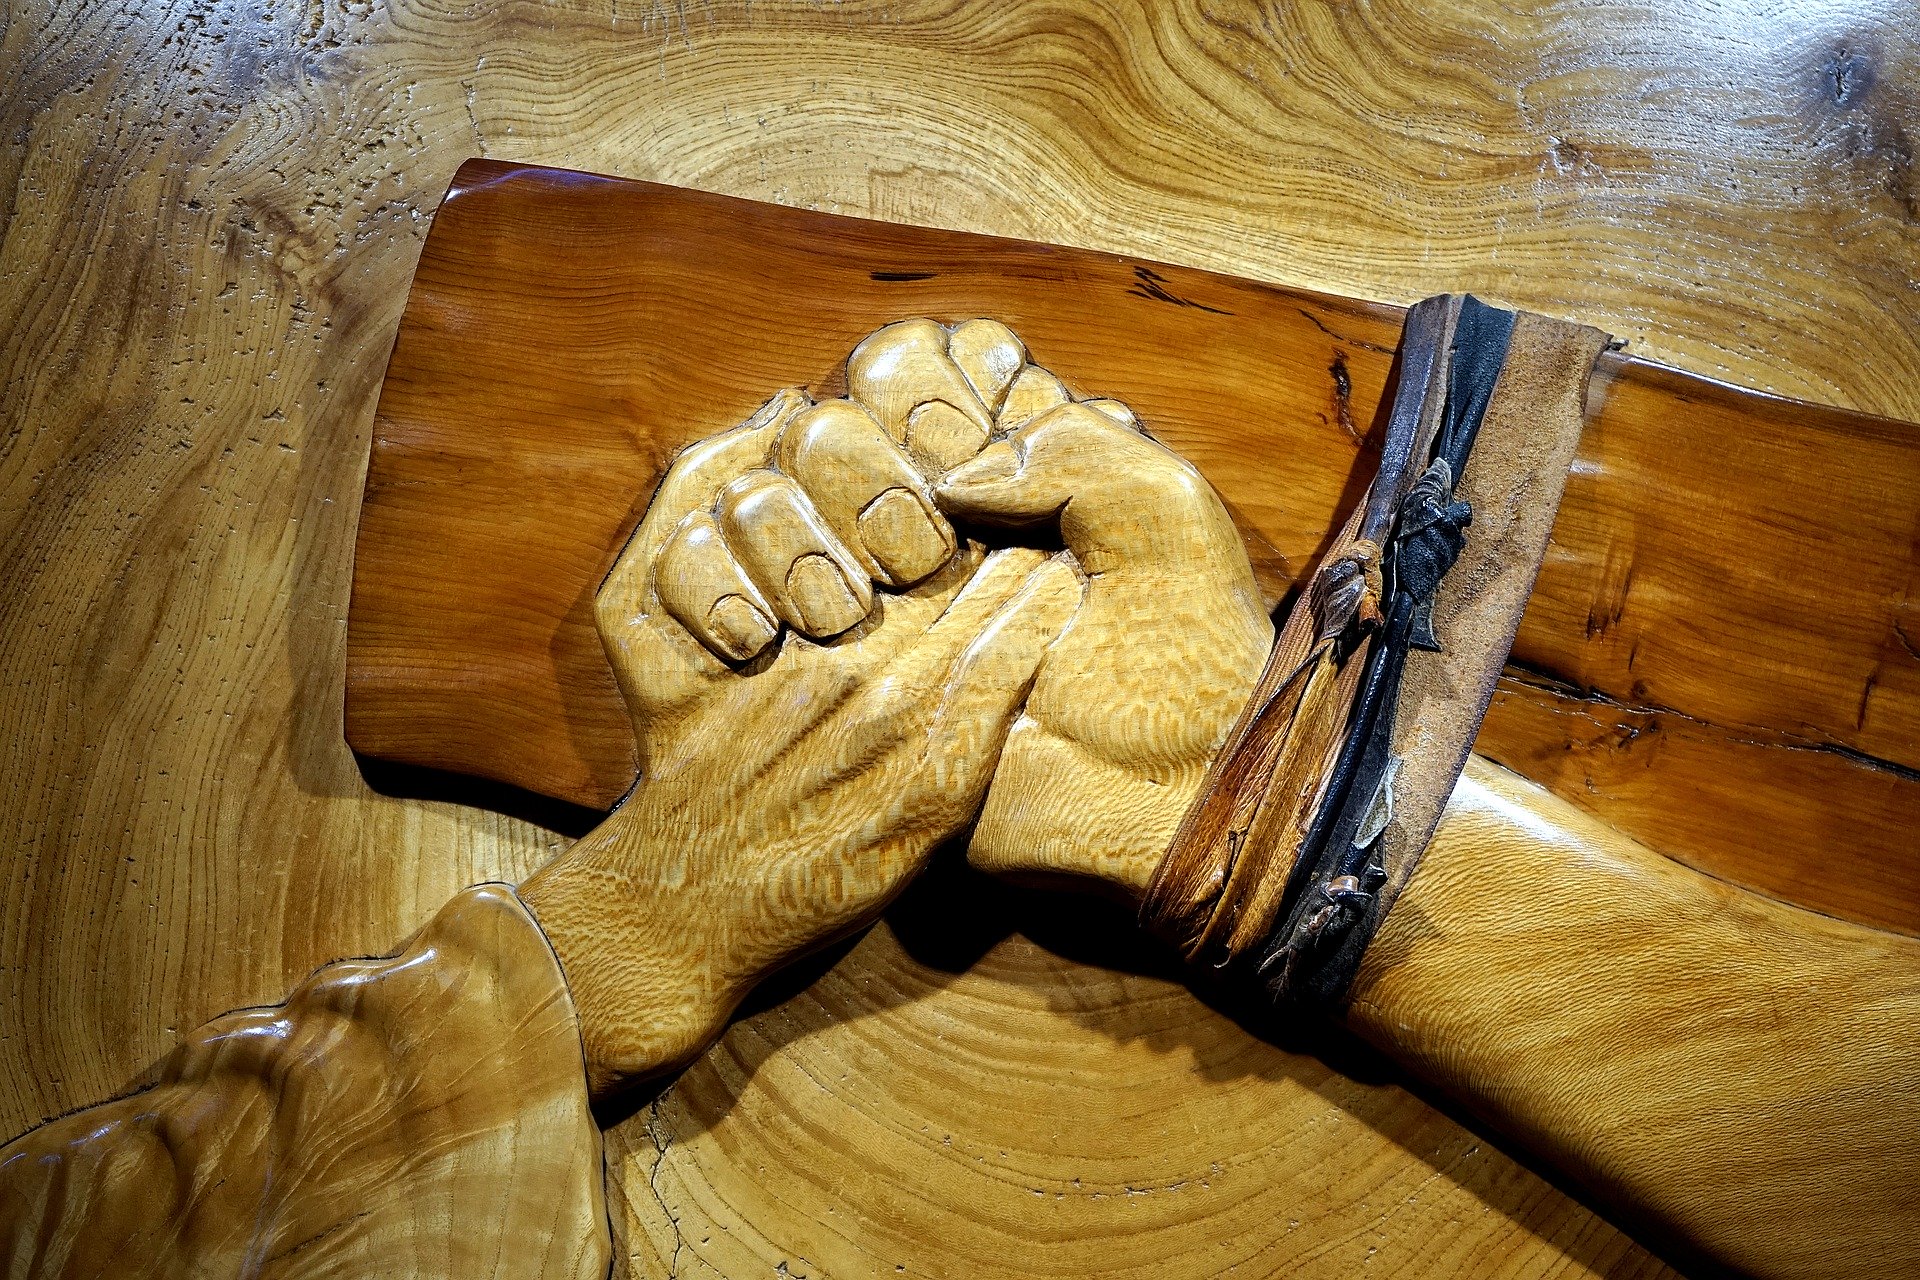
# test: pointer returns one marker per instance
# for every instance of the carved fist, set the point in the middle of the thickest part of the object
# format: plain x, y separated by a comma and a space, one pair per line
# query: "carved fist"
1132, 702
823, 673
806, 739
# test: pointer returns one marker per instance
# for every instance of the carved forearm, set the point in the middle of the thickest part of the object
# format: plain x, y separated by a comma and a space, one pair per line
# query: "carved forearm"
1739, 1071
643, 944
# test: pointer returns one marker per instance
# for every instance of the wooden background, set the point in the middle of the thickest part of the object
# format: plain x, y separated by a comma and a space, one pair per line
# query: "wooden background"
208, 220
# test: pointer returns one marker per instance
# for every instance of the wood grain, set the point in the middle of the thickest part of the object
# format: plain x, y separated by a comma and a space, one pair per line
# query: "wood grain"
1034, 1064
1742, 1072
790, 789
1744, 795
540, 381
421, 1114
209, 220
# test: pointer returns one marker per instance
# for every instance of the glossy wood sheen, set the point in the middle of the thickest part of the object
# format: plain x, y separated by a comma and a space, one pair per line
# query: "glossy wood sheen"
420, 1114
211, 216
789, 786
562, 342
1040, 1071
1742, 1072
1737, 1071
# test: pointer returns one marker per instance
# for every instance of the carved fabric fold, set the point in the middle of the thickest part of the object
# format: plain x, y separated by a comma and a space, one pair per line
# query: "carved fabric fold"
423, 1114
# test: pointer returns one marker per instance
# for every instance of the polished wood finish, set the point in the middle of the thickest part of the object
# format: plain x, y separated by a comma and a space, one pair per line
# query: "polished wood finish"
822, 678
827, 680
1742, 1072
542, 378
1020, 1081
1737, 1073
420, 1114
798, 769
211, 222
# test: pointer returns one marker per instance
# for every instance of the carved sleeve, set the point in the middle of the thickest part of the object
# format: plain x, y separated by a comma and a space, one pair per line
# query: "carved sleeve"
424, 1114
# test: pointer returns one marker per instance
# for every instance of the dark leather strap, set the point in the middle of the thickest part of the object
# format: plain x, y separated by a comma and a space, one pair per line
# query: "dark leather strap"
1217, 892
1332, 900
1280, 857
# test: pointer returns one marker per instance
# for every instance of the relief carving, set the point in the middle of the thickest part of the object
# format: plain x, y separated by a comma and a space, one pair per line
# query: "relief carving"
960, 594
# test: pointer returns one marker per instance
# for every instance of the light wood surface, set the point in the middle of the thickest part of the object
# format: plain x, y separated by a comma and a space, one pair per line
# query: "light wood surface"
1741, 1072
419, 1114
1016, 1079
539, 385
822, 697
210, 224
822, 678
826, 680
797, 770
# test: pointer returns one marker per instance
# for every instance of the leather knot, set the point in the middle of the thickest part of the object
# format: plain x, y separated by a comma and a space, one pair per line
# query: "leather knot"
1347, 590
1430, 535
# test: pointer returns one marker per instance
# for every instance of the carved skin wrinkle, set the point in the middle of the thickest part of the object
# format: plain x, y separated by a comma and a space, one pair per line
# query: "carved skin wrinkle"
348, 1131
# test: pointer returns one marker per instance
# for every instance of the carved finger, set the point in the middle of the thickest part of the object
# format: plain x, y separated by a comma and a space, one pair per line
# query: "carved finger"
990, 355
921, 674
1122, 498
1033, 393
701, 469
990, 675
940, 437
1116, 410
998, 579
792, 556
986, 685
867, 491
691, 484
704, 589
905, 376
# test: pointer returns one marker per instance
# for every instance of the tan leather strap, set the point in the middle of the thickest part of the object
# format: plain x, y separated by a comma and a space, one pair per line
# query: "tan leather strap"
1218, 890
1285, 854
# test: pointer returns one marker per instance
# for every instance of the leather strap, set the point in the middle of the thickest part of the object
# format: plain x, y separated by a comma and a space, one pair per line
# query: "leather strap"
1218, 889
1338, 869
1285, 856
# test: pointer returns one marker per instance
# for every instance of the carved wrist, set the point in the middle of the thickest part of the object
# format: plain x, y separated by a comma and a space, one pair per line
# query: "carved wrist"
649, 983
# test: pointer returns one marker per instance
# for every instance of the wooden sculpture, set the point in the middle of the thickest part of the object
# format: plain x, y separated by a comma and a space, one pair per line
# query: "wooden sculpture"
1712, 660
1686, 583
829, 672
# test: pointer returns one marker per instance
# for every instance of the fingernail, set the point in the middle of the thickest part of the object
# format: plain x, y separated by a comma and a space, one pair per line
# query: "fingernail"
820, 594
740, 626
1116, 410
990, 355
995, 463
940, 436
903, 536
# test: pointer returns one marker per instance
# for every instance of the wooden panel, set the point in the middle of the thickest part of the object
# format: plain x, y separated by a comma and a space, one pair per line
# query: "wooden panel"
1812, 825
565, 338
1740, 1072
564, 341
210, 214
1060, 1134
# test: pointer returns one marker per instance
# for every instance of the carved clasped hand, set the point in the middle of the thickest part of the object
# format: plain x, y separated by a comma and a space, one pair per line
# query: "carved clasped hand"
1132, 702
823, 673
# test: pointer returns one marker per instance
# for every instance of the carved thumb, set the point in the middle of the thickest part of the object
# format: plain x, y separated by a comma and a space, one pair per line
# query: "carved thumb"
1122, 499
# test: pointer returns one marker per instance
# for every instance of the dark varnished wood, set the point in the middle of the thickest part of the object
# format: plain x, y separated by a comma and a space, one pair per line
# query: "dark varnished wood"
1736, 564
